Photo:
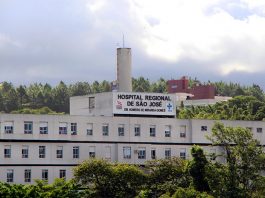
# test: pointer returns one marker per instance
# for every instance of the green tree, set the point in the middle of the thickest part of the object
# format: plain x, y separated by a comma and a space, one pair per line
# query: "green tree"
35, 96
59, 189
140, 84
257, 92
105, 86
109, 180
9, 98
127, 181
95, 87
237, 108
190, 193
79, 89
159, 86
61, 98
197, 169
165, 175
95, 174
22, 94
244, 160
47, 95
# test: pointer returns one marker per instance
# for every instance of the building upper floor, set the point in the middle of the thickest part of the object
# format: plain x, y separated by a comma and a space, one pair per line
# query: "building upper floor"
124, 104
114, 129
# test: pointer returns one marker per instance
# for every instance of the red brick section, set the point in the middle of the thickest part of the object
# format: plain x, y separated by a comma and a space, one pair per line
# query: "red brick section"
178, 86
199, 91
203, 92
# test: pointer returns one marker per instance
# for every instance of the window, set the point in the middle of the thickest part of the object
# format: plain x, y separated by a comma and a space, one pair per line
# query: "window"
10, 175
168, 131
89, 130
25, 151
153, 153
137, 130
9, 127
28, 127
152, 131
42, 151
141, 153
121, 130
43, 127
92, 151
105, 130
167, 153
91, 102
108, 152
259, 130
73, 128
7, 151
182, 153
62, 173
59, 152
183, 131
44, 174
76, 152
27, 175
203, 128
63, 128
127, 152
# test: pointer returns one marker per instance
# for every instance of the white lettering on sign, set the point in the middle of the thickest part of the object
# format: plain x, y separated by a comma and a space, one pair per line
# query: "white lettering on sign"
143, 103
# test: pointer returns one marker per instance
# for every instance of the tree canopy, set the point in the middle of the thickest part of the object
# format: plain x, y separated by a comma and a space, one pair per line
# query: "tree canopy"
237, 108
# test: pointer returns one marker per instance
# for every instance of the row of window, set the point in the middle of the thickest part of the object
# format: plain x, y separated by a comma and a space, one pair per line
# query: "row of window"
127, 152
27, 175
63, 129
43, 129
141, 153
42, 151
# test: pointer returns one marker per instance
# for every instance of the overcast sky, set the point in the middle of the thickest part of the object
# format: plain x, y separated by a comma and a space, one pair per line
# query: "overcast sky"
76, 40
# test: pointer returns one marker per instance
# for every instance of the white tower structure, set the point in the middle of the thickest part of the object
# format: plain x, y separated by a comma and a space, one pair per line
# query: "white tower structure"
124, 69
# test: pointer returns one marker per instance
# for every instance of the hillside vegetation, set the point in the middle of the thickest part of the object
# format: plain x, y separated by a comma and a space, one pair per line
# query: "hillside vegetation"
237, 108
54, 99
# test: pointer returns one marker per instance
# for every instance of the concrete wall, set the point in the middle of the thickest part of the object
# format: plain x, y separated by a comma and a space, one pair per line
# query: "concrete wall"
79, 105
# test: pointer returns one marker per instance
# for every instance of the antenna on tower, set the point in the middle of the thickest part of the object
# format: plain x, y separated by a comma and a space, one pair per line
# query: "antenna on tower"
123, 40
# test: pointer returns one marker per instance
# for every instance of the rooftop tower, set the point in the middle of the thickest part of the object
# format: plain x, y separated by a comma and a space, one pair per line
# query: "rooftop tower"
124, 69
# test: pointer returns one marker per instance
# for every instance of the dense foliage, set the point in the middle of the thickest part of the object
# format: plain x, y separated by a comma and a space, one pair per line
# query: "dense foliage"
245, 159
106, 180
197, 169
238, 108
235, 89
58, 189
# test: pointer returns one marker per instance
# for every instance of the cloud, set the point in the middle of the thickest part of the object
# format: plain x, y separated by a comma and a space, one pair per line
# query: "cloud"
200, 31
95, 5
76, 40
6, 41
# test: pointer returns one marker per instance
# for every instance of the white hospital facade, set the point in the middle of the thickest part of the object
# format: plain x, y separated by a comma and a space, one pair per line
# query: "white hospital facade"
49, 146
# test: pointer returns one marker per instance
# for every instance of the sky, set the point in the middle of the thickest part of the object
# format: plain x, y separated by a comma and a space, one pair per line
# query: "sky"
76, 40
